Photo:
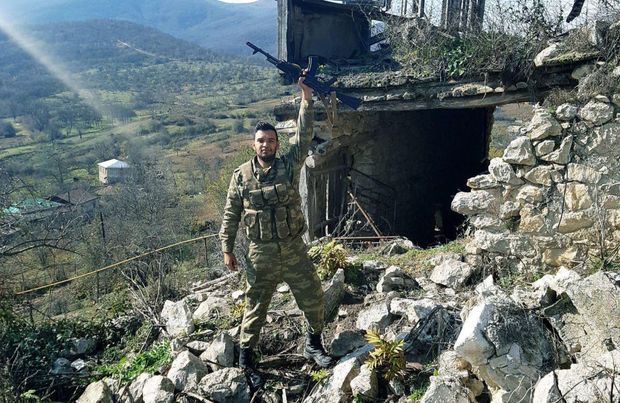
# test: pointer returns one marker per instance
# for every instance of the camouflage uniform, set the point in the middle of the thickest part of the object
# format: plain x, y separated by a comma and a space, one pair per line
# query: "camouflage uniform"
269, 205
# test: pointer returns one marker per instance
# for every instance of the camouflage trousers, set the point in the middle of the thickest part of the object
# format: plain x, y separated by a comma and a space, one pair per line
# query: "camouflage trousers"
270, 264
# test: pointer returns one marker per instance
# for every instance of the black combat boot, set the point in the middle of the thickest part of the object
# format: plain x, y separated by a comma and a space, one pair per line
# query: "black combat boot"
246, 363
314, 350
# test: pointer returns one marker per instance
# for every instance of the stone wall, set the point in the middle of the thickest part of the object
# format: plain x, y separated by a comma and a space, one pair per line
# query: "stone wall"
554, 196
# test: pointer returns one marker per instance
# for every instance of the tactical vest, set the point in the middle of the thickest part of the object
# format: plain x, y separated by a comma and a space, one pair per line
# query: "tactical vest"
271, 208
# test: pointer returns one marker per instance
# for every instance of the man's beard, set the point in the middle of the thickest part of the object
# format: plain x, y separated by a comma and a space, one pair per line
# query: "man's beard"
268, 159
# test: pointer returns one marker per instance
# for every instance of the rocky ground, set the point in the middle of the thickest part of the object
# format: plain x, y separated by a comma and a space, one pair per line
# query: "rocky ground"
553, 340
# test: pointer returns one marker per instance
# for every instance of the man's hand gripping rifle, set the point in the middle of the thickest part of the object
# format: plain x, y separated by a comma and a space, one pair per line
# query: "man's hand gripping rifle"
293, 71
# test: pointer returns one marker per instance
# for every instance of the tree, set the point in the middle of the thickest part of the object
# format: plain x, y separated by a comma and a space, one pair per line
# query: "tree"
7, 130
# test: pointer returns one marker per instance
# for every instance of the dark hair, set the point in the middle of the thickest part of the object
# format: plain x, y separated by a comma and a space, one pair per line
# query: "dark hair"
265, 126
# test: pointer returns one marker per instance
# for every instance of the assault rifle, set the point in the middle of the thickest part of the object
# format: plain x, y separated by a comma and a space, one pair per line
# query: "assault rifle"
293, 71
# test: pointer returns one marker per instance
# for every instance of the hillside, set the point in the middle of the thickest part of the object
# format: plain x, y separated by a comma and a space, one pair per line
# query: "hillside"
209, 23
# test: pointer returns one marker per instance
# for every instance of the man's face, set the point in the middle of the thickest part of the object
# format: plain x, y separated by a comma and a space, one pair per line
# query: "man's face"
266, 144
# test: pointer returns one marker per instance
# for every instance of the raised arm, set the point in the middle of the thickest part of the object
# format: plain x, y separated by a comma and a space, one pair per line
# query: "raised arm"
303, 135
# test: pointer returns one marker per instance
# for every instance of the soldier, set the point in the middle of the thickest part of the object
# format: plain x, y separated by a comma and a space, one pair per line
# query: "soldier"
263, 193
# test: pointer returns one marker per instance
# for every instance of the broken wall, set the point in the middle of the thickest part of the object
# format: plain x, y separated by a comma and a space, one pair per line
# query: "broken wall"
554, 197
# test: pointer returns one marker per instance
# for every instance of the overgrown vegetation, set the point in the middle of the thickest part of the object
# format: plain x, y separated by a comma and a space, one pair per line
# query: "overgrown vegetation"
328, 258
513, 34
387, 356
149, 361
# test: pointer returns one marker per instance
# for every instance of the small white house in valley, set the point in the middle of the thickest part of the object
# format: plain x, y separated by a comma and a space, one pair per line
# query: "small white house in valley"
112, 171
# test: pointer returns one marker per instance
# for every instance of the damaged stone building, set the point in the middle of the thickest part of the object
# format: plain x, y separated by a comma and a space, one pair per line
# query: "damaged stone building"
393, 166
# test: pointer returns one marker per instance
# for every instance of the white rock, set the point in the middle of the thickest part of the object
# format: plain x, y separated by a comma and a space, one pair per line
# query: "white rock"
221, 352
558, 282
562, 154
544, 147
502, 172
237, 295
376, 316
576, 195
186, 371
543, 125
453, 274
197, 346
96, 392
474, 202
566, 112
333, 293
482, 182
137, 385
225, 385
605, 139
443, 389
210, 306
283, 289
540, 175
583, 173
574, 221
520, 152
472, 343
178, 318
345, 342
544, 55
509, 209
414, 310
365, 383
596, 112
530, 194
158, 389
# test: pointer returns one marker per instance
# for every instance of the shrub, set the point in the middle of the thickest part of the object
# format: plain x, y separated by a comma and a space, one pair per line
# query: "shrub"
329, 258
387, 356
149, 361
7, 130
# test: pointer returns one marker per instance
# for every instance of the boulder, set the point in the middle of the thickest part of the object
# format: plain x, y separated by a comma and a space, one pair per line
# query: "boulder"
543, 125
397, 247
210, 306
544, 147
237, 295
96, 392
557, 282
394, 279
485, 181
596, 112
582, 383
82, 346
530, 194
137, 386
452, 273
532, 221
337, 388
519, 152
158, 389
186, 371
376, 316
583, 173
365, 384
474, 202
605, 140
414, 310
509, 209
197, 347
502, 172
178, 318
509, 360
573, 221
547, 53
228, 385
562, 154
346, 341
540, 175
79, 365
334, 293
443, 389
566, 112
576, 196
221, 352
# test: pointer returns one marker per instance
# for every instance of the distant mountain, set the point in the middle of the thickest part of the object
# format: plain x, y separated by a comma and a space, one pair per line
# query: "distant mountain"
209, 23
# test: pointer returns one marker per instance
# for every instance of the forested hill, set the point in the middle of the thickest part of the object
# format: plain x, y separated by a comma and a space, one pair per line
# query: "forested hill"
112, 56
209, 23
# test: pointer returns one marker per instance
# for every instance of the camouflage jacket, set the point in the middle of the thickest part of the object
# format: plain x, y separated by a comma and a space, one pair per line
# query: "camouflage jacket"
292, 162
